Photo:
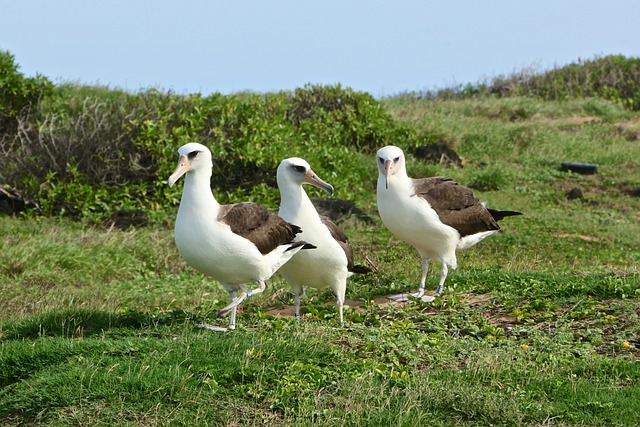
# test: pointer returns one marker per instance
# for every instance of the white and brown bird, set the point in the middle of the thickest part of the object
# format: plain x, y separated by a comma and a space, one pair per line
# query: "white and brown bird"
435, 215
234, 244
331, 263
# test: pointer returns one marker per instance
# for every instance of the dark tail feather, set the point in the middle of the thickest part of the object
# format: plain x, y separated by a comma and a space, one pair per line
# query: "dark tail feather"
302, 243
360, 269
295, 229
498, 215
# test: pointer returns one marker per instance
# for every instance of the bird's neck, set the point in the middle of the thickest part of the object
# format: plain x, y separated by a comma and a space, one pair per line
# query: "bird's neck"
398, 183
401, 175
197, 193
295, 199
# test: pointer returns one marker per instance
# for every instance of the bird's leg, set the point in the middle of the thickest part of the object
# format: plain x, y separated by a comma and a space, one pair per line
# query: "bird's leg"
296, 293
423, 279
340, 304
261, 287
232, 317
420, 294
234, 303
443, 275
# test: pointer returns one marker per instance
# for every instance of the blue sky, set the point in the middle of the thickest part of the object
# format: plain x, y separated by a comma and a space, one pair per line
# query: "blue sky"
381, 47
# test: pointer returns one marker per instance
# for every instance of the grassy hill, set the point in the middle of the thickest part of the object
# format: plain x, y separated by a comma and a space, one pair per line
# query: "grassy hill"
538, 326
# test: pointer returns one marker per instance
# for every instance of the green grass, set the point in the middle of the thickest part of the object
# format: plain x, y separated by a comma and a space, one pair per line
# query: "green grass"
97, 326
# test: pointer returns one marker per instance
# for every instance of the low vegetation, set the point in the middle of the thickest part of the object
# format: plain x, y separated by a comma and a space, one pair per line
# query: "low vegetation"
86, 151
538, 326
612, 77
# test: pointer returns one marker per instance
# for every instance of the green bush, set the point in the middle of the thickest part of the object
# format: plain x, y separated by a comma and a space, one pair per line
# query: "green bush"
18, 94
88, 150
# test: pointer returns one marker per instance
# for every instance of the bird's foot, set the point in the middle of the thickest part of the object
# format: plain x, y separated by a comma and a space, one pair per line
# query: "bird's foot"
213, 327
405, 297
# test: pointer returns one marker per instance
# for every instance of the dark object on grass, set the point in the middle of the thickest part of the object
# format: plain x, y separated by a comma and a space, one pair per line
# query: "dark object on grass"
335, 209
12, 202
574, 193
123, 219
438, 152
581, 168
633, 192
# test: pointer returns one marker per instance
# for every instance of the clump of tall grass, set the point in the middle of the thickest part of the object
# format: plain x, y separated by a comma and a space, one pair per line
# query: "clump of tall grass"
613, 77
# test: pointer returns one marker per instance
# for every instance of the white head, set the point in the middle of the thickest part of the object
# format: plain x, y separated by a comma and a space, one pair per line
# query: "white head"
390, 162
193, 157
296, 171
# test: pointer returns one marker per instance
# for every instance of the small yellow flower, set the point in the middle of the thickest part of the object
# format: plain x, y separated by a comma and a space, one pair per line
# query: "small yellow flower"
524, 347
626, 344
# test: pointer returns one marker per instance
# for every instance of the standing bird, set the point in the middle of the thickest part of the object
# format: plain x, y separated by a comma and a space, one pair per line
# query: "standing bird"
434, 215
233, 244
331, 263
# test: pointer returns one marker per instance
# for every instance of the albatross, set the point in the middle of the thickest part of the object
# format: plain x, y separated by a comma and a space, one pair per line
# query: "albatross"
435, 215
234, 244
331, 263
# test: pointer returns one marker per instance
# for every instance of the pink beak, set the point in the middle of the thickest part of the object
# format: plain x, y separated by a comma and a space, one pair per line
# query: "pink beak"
388, 166
314, 180
181, 169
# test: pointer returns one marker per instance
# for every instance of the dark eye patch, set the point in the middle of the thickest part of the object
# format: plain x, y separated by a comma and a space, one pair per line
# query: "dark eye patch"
192, 154
299, 168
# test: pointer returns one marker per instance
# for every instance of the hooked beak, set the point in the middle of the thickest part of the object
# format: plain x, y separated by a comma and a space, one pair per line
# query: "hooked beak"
314, 180
388, 166
181, 169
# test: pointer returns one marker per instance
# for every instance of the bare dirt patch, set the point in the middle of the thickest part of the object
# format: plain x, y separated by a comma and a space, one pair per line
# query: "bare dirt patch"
578, 120
381, 301
577, 236
358, 305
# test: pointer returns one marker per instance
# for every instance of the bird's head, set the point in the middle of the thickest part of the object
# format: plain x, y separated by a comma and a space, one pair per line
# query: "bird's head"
192, 157
390, 162
297, 171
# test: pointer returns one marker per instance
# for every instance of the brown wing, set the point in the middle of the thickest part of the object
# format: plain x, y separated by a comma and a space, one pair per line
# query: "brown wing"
343, 241
455, 205
444, 193
258, 224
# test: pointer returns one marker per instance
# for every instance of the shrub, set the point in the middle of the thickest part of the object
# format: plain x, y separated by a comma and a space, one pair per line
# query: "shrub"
352, 118
18, 94
90, 150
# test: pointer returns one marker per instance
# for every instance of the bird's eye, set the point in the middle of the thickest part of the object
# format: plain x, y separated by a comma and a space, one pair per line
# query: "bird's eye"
381, 160
192, 154
299, 168
396, 159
